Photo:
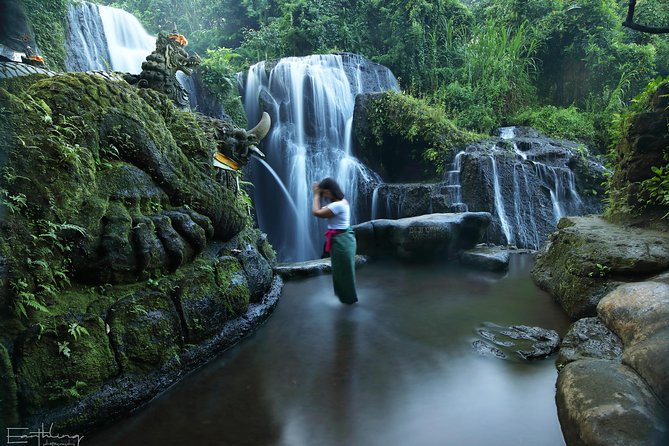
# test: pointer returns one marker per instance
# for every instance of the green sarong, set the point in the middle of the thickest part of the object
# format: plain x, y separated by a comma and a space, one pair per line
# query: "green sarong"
342, 256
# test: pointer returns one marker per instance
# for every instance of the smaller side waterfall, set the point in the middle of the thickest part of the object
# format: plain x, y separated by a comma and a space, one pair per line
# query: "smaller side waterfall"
526, 182
453, 186
127, 40
85, 42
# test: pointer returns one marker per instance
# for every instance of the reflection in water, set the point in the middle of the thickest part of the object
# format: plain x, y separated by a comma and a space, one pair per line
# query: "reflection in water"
395, 369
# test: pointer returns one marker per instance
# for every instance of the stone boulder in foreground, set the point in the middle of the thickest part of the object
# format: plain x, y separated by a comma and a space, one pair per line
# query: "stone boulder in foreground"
587, 257
608, 395
613, 384
422, 238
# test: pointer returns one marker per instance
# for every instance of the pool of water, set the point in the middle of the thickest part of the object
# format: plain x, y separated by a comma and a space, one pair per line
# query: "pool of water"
395, 369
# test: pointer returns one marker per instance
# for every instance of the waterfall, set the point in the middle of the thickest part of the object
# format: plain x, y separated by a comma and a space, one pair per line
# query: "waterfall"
499, 203
85, 42
528, 234
535, 243
105, 38
110, 39
453, 186
128, 42
311, 101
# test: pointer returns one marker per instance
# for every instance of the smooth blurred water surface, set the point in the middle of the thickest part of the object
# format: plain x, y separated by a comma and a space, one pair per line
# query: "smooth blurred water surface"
396, 369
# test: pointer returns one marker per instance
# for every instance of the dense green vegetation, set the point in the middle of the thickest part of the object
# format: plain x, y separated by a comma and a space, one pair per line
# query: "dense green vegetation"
486, 63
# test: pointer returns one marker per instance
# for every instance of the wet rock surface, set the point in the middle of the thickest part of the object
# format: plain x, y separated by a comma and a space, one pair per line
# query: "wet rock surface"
486, 258
311, 267
639, 314
606, 403
516, 341
422, 238
589, 338
613, 385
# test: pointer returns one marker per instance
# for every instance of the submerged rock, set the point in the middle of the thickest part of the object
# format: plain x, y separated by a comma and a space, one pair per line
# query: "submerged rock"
422, 238
311, 267
519, 341
486, 258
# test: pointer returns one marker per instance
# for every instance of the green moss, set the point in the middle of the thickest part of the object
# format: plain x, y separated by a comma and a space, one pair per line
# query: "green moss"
412, 130
83, 160
48, 18
568, 123
638, 191
55, 367
145, 330
210, 293
8, 390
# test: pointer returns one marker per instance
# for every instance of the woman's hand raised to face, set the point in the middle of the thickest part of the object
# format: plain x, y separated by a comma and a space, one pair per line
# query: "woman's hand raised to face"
314, 188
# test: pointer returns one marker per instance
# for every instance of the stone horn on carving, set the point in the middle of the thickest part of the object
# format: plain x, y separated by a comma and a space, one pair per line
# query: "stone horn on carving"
239, 144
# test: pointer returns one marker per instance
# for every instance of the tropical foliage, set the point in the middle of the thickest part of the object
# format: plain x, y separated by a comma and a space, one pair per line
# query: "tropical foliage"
483, 62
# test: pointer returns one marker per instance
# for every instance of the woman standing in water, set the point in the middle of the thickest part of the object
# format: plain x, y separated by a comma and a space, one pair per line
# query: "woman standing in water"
339, 239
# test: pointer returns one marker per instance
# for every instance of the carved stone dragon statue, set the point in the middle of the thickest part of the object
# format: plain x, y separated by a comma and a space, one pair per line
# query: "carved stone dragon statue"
161, 66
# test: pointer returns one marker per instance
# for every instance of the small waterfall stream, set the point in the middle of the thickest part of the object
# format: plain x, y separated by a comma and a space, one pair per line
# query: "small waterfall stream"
499, 203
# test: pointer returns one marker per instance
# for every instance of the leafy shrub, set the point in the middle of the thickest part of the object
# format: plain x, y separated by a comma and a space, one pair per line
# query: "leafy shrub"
219, 76
558, 122
399, 116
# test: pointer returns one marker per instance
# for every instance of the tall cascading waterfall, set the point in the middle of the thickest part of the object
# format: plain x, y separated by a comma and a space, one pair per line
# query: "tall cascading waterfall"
104, 38
311, 101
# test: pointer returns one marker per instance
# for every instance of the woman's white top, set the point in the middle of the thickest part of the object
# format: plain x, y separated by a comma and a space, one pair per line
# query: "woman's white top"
342, 215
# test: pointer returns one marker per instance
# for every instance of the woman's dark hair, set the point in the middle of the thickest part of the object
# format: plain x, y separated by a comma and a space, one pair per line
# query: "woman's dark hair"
330, 184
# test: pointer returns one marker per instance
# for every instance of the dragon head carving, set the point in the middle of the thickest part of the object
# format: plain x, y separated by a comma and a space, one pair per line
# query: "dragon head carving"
160, 68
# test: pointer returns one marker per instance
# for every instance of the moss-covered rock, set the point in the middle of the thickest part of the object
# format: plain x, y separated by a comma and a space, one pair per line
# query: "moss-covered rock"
8, 391
211, 295
587, 257
61, 360
402, 138
634, 196
126, 258
145, 330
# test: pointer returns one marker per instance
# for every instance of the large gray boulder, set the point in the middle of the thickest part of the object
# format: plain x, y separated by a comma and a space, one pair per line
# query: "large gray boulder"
639, 314
587, 257
422, 238
604, 403
613, 386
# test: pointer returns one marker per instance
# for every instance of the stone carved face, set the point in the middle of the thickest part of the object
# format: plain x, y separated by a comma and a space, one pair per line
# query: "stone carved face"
125, 177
